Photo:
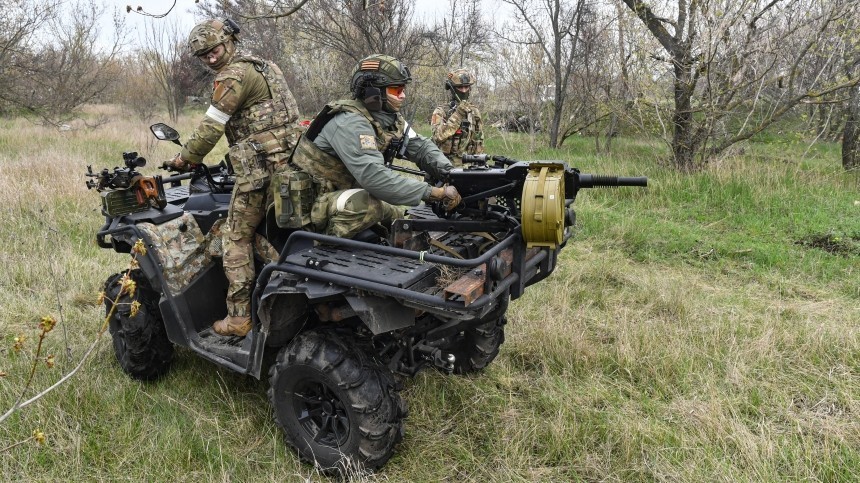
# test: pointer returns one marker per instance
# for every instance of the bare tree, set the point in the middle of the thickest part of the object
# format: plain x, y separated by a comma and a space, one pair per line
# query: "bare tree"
167, 61
555, 26
519, 101
19, 20
591, 92
739, 66
355, 28
71, 67
463, 33
851, 63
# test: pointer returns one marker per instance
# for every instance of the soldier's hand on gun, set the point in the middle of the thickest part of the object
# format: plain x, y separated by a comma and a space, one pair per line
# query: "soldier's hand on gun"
464, 107
447, 194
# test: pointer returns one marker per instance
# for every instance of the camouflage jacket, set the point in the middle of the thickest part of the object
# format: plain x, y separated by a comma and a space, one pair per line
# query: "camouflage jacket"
458, 130
346, 152
250, 102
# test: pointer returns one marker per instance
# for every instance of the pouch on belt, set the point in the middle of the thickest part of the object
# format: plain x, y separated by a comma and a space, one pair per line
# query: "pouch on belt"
250, 167
293, 194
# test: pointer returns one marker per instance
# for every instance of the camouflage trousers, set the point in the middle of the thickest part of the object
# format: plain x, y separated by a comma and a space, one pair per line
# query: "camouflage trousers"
246, 212
345, 213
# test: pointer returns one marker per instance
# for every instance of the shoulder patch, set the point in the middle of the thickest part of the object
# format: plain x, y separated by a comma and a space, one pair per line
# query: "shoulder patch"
367, 141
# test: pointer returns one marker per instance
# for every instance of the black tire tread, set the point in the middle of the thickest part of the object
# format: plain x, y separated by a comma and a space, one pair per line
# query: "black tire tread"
370, 391
140, 343
477, 347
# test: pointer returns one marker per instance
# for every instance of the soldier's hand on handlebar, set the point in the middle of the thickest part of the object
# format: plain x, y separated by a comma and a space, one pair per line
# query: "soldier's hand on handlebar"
177, 164
447, 194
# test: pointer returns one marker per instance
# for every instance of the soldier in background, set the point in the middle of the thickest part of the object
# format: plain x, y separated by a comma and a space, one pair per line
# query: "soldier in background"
252, 105
347, 146
457, 126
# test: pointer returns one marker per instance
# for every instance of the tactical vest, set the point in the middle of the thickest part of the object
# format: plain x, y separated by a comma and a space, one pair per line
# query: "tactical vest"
463, 142
270, 123
328, 170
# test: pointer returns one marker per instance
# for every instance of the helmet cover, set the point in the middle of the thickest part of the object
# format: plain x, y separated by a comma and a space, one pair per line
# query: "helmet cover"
379, 71
208, 34
460, 78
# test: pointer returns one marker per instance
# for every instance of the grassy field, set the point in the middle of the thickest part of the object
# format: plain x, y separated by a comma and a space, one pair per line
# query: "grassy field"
706, 328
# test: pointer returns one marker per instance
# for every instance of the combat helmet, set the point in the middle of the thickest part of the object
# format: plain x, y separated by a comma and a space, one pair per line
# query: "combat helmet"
459, 78
372, 74
211, 33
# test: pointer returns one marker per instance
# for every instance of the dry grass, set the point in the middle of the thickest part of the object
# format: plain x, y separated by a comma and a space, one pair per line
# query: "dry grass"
685, 336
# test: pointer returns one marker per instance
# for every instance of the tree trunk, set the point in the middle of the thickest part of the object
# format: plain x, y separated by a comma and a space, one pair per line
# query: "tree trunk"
683, 145
851, 132
554, 125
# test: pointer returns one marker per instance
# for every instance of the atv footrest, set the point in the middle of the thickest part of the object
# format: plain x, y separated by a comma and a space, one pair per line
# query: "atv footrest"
364, 264
229, 346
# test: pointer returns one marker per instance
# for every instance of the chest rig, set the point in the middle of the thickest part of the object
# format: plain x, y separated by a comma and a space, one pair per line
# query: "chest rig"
269, 123
328, 170
463, 140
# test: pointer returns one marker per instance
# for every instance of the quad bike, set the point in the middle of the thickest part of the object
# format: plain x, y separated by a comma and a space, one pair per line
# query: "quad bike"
344, 315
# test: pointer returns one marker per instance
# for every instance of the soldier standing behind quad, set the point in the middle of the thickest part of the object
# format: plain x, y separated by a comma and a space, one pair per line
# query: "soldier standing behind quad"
457, 126
346, 148
253, 106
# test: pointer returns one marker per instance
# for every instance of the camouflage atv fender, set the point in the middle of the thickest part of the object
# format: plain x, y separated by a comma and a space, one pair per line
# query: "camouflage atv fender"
180, 248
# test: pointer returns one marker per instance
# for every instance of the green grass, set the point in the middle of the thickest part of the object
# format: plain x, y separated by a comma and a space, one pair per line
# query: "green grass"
706, 328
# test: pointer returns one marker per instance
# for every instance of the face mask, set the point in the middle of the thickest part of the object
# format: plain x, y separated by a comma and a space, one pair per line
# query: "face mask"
460, 96
394, 103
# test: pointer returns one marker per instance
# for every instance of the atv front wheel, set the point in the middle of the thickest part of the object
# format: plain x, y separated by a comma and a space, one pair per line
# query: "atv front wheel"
338, 409
476, 347
140, 342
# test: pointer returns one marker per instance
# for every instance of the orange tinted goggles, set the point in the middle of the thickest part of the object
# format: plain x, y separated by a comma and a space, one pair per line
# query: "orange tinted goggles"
395, 90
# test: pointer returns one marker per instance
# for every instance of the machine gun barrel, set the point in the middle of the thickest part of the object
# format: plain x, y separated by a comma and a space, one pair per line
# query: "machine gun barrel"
597, 180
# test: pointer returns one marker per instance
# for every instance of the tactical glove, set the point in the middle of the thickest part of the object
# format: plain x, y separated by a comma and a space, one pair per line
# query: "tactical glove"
177, 164
447, 194
464, 107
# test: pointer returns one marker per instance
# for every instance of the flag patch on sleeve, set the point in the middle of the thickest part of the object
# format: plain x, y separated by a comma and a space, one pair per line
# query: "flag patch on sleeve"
367, 141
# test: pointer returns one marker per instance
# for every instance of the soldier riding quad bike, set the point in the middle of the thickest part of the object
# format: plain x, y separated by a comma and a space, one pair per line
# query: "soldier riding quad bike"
345, 315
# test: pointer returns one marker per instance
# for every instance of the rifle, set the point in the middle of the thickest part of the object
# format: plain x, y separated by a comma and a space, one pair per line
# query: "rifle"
397, 149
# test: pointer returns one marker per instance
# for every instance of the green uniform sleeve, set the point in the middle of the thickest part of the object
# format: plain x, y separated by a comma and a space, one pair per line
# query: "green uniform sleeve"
228, 96
424, 153
443, 128
437, 123
347, 136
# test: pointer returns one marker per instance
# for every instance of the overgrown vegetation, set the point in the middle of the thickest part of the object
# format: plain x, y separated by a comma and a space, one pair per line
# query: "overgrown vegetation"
703, 328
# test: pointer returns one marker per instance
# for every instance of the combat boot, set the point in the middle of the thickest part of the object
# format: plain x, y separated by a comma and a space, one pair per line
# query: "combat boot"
233, 325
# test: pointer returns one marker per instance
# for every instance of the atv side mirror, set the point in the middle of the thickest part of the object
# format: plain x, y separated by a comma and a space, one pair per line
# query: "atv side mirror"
165, 133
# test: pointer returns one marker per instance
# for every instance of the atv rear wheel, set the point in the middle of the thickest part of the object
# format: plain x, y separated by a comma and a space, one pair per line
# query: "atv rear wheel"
476, 347
140, 342
338, 409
